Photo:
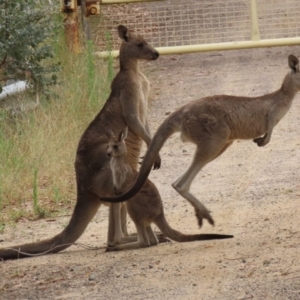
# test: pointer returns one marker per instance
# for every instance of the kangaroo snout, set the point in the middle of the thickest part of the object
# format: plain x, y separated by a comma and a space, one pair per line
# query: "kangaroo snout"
155, 55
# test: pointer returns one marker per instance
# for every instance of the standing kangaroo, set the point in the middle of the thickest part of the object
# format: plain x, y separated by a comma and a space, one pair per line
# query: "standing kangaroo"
144, 208
126, 106
213, 123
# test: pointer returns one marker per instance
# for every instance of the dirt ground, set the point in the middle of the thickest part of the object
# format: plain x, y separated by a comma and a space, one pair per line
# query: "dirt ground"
253, 193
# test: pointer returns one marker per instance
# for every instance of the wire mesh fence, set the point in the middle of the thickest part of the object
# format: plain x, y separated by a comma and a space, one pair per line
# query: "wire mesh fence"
191, 22
279, 19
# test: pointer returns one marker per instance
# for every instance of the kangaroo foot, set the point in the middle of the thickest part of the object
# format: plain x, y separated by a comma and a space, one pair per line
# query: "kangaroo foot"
200, 218
261, 141
111, 249
162, 238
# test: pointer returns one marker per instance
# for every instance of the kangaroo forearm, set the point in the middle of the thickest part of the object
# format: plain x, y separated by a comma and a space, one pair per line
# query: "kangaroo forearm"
147, 127
139, 129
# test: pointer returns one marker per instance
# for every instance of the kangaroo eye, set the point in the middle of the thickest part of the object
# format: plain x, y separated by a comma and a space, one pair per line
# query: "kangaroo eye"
115, 147
141, 45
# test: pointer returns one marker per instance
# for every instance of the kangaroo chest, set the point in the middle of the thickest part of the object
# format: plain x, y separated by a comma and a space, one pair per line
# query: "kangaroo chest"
142, 95
121, 171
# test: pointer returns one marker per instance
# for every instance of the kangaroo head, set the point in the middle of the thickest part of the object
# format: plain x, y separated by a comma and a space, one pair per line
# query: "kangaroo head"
295, 74
116, 147
135, 46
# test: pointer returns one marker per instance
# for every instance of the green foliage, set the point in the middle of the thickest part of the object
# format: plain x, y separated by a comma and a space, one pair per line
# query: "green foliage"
38, 147
27, 29
108, 39
2, 227
41, 213
93, 97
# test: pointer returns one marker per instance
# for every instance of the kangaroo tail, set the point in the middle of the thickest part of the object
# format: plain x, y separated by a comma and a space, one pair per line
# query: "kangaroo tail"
84, 211
166, 129
177, 236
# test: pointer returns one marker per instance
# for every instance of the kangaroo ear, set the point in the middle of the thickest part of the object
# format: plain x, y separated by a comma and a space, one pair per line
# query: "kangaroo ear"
123, 134
294, 63
123, 33
109, 133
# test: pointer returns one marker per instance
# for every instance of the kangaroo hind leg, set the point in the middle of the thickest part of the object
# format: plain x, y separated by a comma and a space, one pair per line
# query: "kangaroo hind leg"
205, 153
143, 241
116, 234
153, 239
123, 217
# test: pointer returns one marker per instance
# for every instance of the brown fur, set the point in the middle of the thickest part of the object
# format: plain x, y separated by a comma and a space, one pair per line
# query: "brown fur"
213, 123
126, 106
144, 208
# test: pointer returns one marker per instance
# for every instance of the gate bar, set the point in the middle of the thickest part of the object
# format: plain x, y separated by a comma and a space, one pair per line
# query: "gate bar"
215, 47
125, 1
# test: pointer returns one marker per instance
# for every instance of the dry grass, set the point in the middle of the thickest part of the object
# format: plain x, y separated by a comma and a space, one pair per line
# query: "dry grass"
38, 148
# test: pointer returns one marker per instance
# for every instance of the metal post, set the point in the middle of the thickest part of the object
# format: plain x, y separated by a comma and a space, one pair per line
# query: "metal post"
255, 35
69, 8
85, 24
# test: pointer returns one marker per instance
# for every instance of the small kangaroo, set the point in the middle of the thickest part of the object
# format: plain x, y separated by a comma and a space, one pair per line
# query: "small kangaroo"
126, 106
213, 123
144, 208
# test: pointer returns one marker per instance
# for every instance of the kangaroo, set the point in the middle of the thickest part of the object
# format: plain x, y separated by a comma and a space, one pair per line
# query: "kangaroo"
213, 123
126, 106
144, 208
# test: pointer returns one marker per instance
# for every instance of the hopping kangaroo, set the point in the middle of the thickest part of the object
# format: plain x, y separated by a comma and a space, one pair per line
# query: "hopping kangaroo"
144, 208
213, 123
126, 106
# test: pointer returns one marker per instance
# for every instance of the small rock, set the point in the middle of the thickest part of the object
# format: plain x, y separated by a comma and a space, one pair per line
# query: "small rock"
92, 277
266, 263
150, 266
167, 113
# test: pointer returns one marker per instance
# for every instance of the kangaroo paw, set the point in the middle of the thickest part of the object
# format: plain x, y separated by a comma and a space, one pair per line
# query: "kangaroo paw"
260, 141
141, 157
157, 163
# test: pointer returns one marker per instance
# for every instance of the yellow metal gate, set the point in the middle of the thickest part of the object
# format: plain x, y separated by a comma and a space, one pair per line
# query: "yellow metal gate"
182, 26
